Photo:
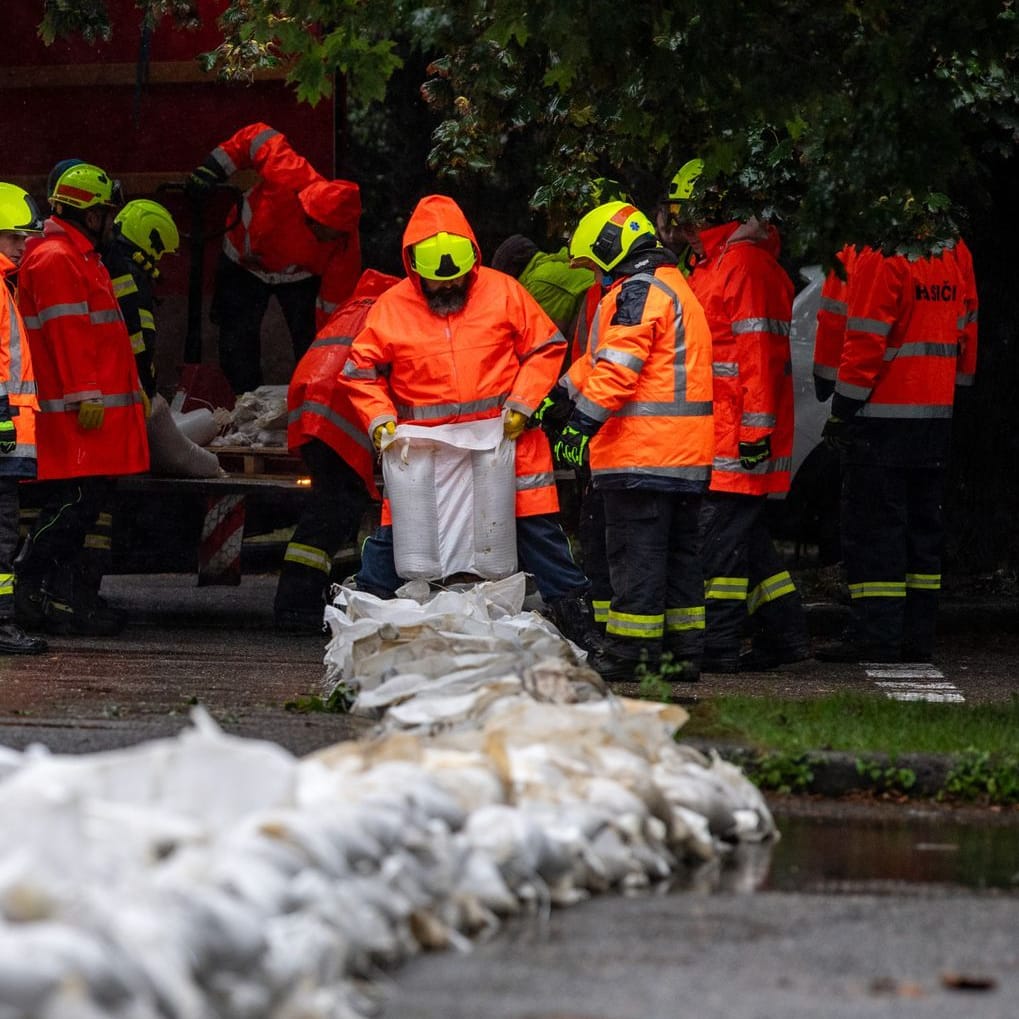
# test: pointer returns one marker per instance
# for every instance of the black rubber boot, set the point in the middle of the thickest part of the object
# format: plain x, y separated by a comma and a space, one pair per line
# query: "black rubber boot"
14, 640
762, 658
574, 618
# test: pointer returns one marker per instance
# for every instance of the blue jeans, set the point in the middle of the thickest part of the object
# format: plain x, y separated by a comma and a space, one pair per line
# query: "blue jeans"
542, 550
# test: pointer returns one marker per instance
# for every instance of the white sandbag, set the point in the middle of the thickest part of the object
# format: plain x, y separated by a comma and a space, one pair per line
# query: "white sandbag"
452, 494
171, 451
198, 425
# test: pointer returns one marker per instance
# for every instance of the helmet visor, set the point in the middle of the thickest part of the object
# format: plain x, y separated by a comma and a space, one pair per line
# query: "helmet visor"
443, 257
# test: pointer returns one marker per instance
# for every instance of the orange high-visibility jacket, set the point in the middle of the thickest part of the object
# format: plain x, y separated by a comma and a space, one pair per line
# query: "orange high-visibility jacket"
831, 318
272, 240
17, 381
80, 351
500, 351
911, 334
649, 383
747, 297
318, 407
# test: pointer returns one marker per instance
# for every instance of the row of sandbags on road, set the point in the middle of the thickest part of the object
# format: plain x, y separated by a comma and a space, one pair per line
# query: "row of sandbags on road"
212, 876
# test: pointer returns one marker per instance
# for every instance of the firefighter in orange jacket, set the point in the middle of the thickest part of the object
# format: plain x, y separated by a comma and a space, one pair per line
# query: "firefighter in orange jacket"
297, 240
19, 217
747, 298
642, 416
458, 341
323, 427
910, 339
91, 422
831, 324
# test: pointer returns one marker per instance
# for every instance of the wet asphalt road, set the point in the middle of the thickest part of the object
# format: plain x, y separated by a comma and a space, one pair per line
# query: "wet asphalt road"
216, 645
873, 948
185, 645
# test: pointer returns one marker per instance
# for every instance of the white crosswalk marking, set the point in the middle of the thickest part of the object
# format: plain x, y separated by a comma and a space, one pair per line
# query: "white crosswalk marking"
918, 682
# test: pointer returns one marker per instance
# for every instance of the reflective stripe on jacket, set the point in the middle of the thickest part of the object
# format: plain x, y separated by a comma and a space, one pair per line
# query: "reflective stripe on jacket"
319, 408
647, 376
500, 351
747, 297
17, 381
831, 318
80, 351
272, 240
911, 334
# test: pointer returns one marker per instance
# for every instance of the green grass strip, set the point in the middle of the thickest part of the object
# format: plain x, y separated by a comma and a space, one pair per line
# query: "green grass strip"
858, 723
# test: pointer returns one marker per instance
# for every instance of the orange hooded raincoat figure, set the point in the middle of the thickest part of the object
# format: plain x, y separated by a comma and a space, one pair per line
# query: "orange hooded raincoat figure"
296, 239
747, 297
496, 354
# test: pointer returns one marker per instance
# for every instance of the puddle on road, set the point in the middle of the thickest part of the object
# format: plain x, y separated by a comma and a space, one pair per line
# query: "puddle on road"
829, 855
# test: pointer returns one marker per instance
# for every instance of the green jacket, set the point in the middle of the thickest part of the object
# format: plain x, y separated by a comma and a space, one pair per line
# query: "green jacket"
559, 289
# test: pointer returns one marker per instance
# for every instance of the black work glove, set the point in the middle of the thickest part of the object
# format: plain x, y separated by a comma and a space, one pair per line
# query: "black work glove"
753, 453
570, 447
8, 434
823, 388
554, 411
204, 178
833, 435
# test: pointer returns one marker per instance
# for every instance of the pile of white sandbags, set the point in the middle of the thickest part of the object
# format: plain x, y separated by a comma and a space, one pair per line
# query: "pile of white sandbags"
259, 418
213, 877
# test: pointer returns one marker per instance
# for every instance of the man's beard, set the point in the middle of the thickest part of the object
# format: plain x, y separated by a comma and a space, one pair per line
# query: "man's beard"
446, 302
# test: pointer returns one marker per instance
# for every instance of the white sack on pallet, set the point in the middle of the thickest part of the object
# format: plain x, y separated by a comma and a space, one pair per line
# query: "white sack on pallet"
452, 494
259, 418
174, 453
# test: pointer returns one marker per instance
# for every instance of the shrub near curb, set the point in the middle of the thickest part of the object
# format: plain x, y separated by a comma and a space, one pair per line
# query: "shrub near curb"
972, 777
835, 745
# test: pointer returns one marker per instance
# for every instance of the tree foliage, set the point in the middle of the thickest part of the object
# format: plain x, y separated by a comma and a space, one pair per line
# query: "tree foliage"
845, 120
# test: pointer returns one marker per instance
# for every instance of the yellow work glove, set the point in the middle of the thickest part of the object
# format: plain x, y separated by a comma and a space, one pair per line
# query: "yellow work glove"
514, 424
90, 414
146, 404
387, 428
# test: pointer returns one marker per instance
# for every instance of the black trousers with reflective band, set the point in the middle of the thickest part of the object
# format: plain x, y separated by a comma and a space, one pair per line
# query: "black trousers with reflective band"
653, 550
8, 545
892, 539
239, 304
591, 535
746, 578
331, 518
56, 553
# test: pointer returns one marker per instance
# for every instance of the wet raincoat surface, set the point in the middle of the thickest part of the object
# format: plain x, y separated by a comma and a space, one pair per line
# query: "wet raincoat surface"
272, 239
747, 297
499, 352
911, 338
646, 376
317, 406
80, 351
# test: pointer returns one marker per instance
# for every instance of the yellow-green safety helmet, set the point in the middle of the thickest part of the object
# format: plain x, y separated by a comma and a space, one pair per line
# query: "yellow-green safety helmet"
18, 211
682, 184
443, 257
149, 226
606, 234
83, 186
